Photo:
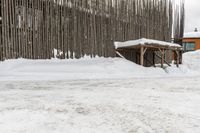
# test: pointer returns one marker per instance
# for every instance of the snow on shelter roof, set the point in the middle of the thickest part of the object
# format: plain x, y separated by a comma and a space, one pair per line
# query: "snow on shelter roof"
192, 35
145, 41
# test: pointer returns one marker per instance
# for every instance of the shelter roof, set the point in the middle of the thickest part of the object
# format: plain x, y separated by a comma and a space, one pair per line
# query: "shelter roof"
146, 42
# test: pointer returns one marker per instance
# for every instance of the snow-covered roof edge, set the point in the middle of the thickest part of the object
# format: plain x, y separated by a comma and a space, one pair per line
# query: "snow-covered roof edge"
144, 41
192, 35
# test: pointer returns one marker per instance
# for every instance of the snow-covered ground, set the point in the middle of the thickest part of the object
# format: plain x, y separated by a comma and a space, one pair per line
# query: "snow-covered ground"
101, 106
99, 95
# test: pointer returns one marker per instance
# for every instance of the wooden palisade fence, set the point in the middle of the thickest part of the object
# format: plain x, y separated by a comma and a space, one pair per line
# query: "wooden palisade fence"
34, 28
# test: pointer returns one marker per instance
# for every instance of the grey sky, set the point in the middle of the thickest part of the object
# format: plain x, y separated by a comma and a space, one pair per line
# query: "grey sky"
192, 15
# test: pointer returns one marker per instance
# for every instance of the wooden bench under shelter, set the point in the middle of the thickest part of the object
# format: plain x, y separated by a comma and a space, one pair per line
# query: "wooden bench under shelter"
148, 50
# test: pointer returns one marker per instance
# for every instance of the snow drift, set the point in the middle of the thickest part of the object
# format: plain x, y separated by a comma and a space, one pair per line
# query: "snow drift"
86, 68
96, 68
192, 60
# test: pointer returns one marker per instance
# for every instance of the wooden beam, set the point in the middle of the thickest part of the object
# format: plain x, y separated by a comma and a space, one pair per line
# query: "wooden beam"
162, 58
145, 50
154, 63
153, 47
177, 58
180, 57
120, 55
142, 56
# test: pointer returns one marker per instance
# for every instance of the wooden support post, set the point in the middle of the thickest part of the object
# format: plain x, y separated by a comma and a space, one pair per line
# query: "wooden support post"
177, 58
162, 57
154, 63
142, 56
142, 52
181, 57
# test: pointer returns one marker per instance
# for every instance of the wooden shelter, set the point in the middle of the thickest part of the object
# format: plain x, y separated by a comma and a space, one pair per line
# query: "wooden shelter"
156, 51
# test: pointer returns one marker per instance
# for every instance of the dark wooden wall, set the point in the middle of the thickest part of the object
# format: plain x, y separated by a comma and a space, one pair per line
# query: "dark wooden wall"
34, 28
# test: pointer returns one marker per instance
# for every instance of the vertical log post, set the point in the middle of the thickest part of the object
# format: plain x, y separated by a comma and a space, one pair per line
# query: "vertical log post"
154, 63
177, 59
142, 56
162, 57
142, 52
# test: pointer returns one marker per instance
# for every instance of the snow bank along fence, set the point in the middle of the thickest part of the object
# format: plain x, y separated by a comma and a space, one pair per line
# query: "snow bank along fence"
34, 28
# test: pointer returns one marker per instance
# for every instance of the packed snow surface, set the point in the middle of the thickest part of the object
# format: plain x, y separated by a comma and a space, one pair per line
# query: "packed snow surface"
192, 35
101, 106
101, 95
144, 41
